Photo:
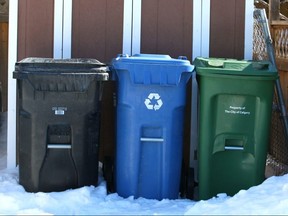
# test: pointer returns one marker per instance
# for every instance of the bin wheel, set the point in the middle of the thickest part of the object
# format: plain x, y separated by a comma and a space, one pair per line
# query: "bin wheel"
108, 174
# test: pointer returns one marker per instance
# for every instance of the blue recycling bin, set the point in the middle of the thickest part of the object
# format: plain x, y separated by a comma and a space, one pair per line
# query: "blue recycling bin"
151, 94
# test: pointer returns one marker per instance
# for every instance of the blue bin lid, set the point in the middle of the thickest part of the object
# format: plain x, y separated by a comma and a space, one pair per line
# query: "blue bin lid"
159, 59
152, 68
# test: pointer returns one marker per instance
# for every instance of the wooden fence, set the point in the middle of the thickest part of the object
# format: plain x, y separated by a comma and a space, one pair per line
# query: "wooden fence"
279, 33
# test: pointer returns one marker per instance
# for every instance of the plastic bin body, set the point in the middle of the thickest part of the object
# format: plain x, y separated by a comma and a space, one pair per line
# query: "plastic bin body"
150, 110
235, 113
58, 120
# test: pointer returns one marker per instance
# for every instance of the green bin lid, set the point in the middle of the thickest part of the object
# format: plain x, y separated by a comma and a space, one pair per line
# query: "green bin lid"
223, 66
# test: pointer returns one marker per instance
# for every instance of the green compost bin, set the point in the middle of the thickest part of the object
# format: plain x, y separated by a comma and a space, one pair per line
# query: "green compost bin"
234, 122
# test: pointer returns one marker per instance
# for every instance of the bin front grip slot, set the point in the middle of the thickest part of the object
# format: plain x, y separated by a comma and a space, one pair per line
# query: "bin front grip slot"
238, 148
59, 146
151, 139
234, 144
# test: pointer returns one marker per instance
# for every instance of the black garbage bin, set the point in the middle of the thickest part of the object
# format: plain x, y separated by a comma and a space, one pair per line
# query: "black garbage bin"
58, 122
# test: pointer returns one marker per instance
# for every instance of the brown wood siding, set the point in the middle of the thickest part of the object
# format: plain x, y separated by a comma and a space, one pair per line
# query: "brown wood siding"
227, 24
97, 32
166, 27
35, 28
97, 29
3, 64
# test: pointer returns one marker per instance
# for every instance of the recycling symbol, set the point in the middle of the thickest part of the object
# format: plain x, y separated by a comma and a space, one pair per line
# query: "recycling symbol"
153, 102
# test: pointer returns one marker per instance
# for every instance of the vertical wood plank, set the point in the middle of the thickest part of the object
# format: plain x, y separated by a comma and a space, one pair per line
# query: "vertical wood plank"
227, 29
97, 32
3, 64
97, 29
239, 29
274, 10
149, 26
166, 27
35, 28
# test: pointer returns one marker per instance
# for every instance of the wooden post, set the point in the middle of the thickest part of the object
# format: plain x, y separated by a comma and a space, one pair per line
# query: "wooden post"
274, 10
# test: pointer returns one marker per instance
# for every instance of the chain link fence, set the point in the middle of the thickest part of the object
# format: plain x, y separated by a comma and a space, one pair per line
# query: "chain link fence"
277, 159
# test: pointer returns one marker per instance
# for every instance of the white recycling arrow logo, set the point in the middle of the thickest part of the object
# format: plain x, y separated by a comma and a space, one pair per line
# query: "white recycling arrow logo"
153, 101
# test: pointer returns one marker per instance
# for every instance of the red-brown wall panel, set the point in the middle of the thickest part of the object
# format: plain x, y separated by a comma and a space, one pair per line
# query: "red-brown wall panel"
97, 29
227, 25
35, 28
3, 64
166, 27
97, 32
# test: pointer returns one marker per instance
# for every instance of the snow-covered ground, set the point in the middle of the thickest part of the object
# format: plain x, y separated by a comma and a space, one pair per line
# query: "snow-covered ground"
269, 198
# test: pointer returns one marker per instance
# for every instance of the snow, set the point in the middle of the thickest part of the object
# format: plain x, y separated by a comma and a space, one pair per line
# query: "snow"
269, 198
